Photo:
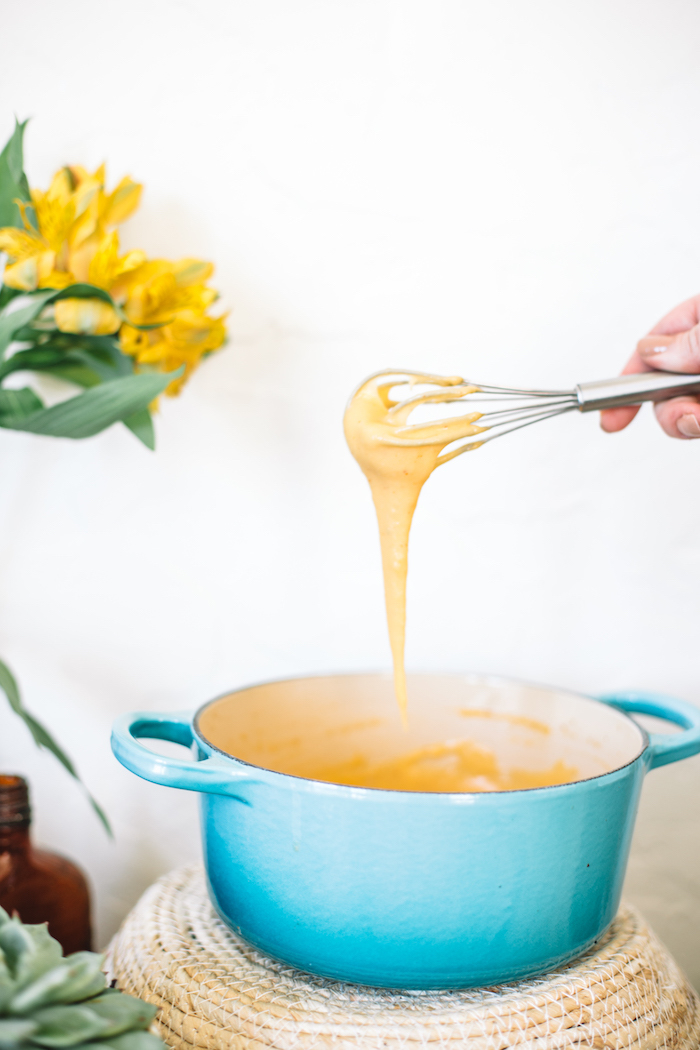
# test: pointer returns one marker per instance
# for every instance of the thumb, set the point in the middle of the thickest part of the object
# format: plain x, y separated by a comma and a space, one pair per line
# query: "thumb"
672, 353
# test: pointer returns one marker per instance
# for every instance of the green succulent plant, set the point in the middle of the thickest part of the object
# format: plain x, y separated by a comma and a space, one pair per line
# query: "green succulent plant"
48, 1001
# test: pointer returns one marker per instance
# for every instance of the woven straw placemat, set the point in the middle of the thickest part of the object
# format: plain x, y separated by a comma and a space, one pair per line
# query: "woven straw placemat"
216, 992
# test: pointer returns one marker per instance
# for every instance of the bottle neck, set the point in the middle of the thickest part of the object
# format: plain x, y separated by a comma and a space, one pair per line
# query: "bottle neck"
15, 814
14, 840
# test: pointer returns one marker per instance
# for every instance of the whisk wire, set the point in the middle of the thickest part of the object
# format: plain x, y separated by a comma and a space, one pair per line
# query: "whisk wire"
521, 407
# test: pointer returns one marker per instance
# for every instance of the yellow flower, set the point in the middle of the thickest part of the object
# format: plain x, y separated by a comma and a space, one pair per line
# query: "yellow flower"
33, 259
174, 296
86, 317
74, 241
74, 217
100, 212
107, 266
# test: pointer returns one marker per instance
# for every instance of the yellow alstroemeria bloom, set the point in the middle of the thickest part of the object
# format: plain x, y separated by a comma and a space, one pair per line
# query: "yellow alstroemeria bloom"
185, 341
86, 317
101, 212
33, 260
107, 266
74, 241
174, 296
73, 217
152, 293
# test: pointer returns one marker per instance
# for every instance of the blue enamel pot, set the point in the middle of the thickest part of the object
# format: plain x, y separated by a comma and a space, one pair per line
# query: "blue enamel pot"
413, 889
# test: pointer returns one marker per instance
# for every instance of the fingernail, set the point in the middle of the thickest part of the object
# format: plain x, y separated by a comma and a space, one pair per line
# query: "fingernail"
651, 345
652, 351
689, 426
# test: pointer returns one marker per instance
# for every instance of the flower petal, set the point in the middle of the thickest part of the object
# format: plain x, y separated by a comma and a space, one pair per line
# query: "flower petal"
28, 274
79, 259
56, 279
23, 275
20, 244
85, 316
122, 202
54, 217
61, 185
192, 271
103, 265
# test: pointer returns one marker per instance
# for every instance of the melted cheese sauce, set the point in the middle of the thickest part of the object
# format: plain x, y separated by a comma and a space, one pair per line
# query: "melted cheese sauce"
330, 730
397, 459
454, 766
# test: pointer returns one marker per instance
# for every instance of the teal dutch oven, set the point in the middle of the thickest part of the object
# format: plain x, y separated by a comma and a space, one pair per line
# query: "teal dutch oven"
413, 889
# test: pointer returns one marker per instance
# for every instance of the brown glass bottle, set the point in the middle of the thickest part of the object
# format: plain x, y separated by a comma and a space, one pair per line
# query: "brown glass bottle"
38, 885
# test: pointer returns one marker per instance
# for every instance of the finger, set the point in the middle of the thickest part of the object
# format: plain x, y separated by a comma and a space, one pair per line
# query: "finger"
613, 420
684, 316
673, 345
680, 353
679, 417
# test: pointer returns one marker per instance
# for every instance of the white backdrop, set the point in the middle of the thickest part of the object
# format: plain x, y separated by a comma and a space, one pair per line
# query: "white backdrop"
489, 187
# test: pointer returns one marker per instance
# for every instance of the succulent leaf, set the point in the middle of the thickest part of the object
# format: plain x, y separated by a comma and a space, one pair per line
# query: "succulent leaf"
7, 985
15, 943
121, 1012
42, 953
78, 977
7, 990
64, 1026
131, 1041
13, 1032
48, 1002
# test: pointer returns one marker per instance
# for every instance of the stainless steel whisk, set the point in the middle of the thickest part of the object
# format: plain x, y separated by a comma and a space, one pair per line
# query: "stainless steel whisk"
533, 406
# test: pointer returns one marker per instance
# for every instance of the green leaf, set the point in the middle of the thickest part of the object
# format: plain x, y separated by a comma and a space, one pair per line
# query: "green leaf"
85, 361
77, 374
63, 1026
106, 351
35, 333
131, 1041
13, 182
27, 952
102, 353
22, 402
12, 320
141, 425
12, 153
13, 1033
42, 737
96, 409
77, 977
122, 1012
90, 366
75, 366
37, 359
83, 291
7, 295
15, 942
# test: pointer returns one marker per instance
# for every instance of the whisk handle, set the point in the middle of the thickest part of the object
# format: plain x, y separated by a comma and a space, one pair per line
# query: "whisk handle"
633, 389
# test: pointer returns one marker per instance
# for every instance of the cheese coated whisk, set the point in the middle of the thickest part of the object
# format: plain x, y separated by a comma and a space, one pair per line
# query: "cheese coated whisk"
501, 410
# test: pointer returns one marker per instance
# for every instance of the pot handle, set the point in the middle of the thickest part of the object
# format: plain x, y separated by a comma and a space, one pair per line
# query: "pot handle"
215, 775
663, 747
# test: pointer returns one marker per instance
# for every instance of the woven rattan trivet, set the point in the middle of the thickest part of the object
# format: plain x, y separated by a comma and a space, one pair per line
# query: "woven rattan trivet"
217, 992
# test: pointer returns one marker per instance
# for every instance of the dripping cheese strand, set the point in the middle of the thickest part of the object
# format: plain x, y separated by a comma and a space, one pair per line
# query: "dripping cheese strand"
397, 459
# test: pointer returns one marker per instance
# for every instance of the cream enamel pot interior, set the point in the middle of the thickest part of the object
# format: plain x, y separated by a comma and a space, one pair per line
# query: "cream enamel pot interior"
411, 889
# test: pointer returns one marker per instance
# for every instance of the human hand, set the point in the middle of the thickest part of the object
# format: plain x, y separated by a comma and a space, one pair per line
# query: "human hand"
673, 345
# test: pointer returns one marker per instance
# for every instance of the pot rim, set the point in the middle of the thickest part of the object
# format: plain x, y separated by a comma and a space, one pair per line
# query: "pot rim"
644, 736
